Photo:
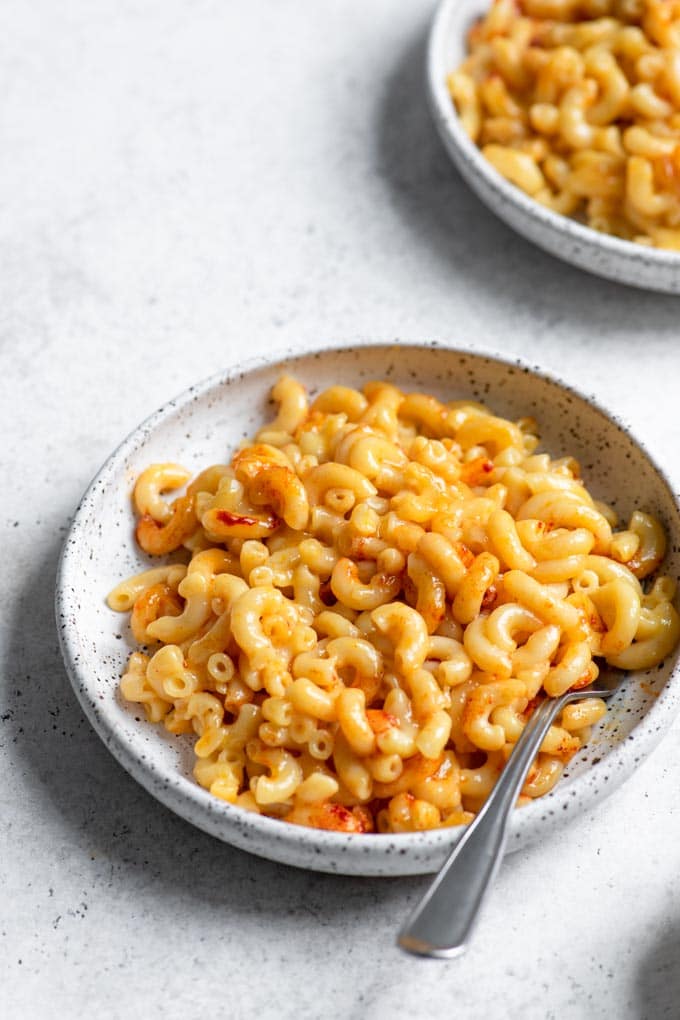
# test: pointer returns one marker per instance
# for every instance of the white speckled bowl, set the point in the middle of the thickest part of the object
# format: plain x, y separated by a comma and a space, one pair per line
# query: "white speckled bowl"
201, 427
599, 253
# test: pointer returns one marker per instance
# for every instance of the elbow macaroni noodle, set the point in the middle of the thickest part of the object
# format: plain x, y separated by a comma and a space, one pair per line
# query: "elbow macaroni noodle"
377, 592
578, 104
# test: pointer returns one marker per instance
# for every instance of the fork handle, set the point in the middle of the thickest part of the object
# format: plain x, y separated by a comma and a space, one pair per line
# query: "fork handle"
441, 924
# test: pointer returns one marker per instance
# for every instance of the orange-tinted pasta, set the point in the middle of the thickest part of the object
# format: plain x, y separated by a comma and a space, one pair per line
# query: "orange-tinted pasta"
578, 104
377, 590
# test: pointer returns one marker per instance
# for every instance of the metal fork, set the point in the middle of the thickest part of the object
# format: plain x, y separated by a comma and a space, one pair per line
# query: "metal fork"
442, 923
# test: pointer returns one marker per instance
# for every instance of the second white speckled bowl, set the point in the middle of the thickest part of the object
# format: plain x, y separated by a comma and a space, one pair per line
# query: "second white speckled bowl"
599, 253
202, 427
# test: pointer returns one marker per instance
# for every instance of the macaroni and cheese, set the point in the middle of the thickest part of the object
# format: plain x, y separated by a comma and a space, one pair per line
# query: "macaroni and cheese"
578, 104
370, 599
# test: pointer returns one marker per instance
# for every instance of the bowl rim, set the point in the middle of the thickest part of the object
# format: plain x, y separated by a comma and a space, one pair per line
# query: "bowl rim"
451, 129
193, 803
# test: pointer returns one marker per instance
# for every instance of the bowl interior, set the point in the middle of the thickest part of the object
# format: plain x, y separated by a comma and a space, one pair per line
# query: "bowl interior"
203, 427
452, 43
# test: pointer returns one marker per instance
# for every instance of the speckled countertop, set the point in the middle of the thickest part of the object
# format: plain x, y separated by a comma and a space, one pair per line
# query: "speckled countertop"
182, 183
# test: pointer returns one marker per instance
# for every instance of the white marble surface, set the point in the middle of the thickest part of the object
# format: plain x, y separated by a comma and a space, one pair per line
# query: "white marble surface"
182, 183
